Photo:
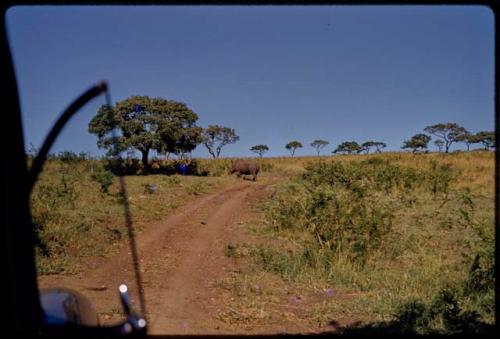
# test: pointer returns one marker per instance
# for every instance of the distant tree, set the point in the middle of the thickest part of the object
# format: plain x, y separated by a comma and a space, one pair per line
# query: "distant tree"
260, 149
440, 144
319, 144
215, 137
146, 124
467, 138
487, 138
448, 132
292, 146
377, 144
417, 142
348, 147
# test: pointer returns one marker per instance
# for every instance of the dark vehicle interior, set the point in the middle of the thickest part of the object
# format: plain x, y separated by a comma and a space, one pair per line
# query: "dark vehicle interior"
51, 311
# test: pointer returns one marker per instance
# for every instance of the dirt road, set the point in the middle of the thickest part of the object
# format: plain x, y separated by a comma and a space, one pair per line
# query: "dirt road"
180, 257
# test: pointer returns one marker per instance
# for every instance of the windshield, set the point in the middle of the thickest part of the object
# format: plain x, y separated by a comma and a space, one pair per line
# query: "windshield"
289, 169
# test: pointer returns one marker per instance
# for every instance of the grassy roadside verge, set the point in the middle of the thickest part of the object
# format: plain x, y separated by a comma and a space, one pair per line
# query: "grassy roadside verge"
78, 211
403, 243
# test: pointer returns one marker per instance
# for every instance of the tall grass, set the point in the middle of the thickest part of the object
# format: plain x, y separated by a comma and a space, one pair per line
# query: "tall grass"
77, 209
400, 228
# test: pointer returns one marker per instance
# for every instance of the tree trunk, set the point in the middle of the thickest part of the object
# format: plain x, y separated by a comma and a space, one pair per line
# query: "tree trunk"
145, 164
211, 151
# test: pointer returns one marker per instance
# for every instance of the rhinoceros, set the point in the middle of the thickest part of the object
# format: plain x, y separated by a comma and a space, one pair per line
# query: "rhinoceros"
245, 167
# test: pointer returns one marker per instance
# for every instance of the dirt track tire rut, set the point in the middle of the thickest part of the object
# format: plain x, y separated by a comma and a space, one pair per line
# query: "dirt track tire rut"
180, 256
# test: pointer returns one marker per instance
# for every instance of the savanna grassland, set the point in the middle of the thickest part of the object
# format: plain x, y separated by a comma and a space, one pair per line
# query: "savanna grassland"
78, 210
401, 242
392, 242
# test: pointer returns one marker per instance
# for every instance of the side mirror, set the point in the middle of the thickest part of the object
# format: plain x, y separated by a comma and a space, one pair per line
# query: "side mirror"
67, 311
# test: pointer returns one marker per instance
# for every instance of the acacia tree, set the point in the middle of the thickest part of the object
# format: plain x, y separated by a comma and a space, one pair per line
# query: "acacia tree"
417, 142
449, 133
260, 149
467, 138
377, 144
146, 124
487, 138
292, 146
319, 144
348, 147
215, 137
439, 143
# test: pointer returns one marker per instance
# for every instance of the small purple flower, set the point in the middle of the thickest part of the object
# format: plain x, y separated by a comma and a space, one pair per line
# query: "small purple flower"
329, 292
296, 299
185, 324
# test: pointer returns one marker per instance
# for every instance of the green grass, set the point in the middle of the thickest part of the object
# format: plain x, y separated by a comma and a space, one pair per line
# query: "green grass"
75, 217
400, 238
325, 228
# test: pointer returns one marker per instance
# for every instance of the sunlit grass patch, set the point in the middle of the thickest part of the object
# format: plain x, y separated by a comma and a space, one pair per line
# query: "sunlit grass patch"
78, 209
440, 210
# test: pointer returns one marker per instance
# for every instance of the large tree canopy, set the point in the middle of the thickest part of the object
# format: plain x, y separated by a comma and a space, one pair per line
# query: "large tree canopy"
487, 138
377, 144
292, 146
260, 149
449, 133
348, 147
465, 137
417, 142
319, 144
215, 137
146, 124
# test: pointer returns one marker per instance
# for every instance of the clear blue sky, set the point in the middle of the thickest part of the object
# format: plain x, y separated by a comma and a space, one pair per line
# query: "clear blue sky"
274, 74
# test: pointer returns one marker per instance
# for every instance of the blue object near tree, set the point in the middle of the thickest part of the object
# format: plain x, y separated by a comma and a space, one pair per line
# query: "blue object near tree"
182, 169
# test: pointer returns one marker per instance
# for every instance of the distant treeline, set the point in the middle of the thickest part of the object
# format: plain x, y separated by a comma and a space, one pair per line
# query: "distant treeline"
144, 124
446, 134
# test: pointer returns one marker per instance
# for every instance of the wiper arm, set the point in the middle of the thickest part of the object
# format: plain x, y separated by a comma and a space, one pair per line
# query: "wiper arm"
79, 102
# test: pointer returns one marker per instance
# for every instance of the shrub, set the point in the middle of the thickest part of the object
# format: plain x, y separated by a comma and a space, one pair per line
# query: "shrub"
213, 167
439, 177
335, 203
46, 203
481, 277
69, 156
340, 203
104, 178
287, 207
266, 166
413, 316
342, 221
444, 315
